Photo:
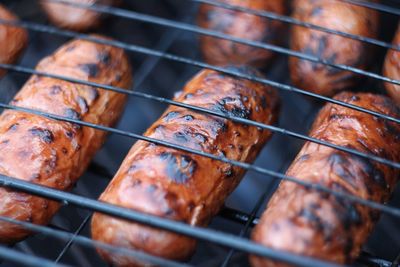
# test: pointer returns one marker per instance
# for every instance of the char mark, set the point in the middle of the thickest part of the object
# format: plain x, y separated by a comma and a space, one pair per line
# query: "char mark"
90, 69
179, 167
45, 135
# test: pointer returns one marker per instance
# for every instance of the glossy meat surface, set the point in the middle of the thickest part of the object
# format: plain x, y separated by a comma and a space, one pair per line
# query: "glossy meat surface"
242, 25
13, 40
74, 18
316, 224
335, 15
54, 153
392, 69
179, 185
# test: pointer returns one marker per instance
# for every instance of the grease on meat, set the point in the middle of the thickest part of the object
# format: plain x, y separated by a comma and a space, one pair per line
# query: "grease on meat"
179, 185
54, 153
317, 224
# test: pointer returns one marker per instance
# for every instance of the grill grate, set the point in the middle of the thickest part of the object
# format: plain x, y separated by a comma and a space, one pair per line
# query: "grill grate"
150, 65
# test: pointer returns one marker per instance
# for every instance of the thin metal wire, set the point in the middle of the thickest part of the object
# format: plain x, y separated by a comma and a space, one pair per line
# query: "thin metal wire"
374, 6
87, 242
208, 111
291, 20
221, 35
25, 259
72, 239
309, 185
148, 51
209, 235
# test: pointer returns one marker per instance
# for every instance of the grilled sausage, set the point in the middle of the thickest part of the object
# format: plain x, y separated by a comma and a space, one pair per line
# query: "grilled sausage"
179, 185
242, 25
316, 224
54, 153
12, 39
74, 18
391, 69
335, 15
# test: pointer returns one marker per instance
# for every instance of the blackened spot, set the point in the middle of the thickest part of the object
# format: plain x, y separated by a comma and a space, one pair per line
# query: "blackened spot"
181, 137
264, 102
69, 134
339, 164
64, 151
118, 77
171, 115
238, 109
104, 57
72, 114
240, 148
179, 168
82, 104
228, 172
136, 182
90, 69
55, 89
169, 212
188, 118
188, 96
303, 157
221, 125
308, 214
44, 134
348, 214
200, 137
93, 94
5, 142
35, 176
373, 172
13, 127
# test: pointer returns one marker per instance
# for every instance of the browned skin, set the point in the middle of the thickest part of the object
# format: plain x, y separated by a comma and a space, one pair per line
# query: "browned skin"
74, 18
242, 25
314, 224
54, 153
391, 69
335, 15
13, 40
182, 186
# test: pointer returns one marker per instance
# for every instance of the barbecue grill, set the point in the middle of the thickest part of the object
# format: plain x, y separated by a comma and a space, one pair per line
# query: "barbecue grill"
160, 37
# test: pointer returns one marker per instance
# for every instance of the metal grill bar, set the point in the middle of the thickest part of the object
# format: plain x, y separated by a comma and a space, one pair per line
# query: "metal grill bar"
208, 111
312, 186
72, 239
217, 34
143, 50
290, 20
209, 235
374, 6
87, 242
26, 259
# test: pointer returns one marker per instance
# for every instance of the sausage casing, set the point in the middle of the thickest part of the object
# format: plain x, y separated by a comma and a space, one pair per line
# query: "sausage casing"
334, 15
316, 224
242, 25
391, 69
179, 185
54, 153
75, 18
13, 40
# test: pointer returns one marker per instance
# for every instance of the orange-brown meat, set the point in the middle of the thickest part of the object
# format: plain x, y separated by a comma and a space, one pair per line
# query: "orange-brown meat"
242, 25
317, 224
13, 40
391, 69
75, 18
179, 185
54, 153
334, 15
